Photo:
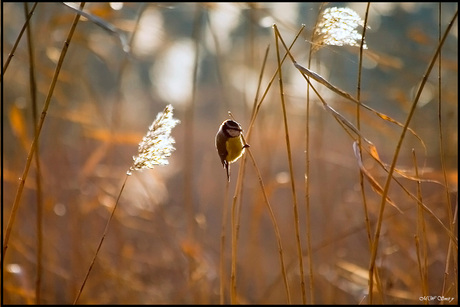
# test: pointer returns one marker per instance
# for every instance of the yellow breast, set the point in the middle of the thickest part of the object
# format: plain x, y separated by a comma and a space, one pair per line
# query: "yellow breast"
234, 149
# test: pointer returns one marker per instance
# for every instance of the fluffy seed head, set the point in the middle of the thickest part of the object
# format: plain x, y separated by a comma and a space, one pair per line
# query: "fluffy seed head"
157, 145
338, 27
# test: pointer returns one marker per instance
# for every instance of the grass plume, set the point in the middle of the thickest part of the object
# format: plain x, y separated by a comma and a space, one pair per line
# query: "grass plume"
311, 193
154, 149
337, 27
158, 144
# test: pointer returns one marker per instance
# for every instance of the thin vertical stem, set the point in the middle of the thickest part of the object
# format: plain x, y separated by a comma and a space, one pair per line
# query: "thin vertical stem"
222, 244
106, 230
39, 208
358, 124
10, 56
307, 170
443, 163
291, 172
233, 294
276, 228
189, 127
259, 104
421, 247
33, 148
375, 242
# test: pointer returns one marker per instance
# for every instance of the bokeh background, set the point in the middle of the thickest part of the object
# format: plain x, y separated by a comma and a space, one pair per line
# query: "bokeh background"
164, 244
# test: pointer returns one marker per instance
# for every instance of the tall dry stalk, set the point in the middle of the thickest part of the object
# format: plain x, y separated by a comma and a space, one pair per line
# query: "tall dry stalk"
154, 149
33, 147
253, 282
223, 273
189, 138
38, 182
347, 125
291, 172
358, 124
375, 241
18, 39
450, 216
421, 242
257, 105
308, 171
236, 209
235, 223
358, 121
275, 227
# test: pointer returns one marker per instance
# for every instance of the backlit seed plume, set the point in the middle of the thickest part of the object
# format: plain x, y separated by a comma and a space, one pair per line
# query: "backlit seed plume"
338, 27
157, 144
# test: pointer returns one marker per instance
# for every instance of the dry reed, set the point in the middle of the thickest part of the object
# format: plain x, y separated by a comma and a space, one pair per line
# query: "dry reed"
325, 131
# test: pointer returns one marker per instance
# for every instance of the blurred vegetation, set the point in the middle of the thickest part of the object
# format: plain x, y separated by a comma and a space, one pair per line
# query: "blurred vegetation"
126, 61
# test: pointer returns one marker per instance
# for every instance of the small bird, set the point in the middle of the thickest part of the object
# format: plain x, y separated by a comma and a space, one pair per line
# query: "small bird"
229, 144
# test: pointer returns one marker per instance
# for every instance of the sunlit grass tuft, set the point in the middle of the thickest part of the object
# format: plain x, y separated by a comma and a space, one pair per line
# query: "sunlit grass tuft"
154, 149
157, 144
336, 240
337, 27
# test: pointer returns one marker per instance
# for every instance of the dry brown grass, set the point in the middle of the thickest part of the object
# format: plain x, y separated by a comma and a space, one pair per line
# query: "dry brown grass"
336, 135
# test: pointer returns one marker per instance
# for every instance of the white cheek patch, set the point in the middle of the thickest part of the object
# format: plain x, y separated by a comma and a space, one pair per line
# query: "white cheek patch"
233, 133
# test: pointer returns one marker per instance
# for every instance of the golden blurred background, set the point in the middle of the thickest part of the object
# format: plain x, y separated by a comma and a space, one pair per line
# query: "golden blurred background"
127, 61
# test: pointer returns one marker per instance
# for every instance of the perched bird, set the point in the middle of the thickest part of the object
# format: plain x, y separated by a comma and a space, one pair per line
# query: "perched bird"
229, 143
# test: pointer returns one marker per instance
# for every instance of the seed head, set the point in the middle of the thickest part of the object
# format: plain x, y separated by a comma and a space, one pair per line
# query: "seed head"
157, 144
338, 27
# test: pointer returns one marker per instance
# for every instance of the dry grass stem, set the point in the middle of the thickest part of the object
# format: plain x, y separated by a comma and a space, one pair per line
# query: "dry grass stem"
38, 181
421, 236
223, 273
291, 173
33, 147
375, 241
276, 229
18, 39
154, 149
333, 112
